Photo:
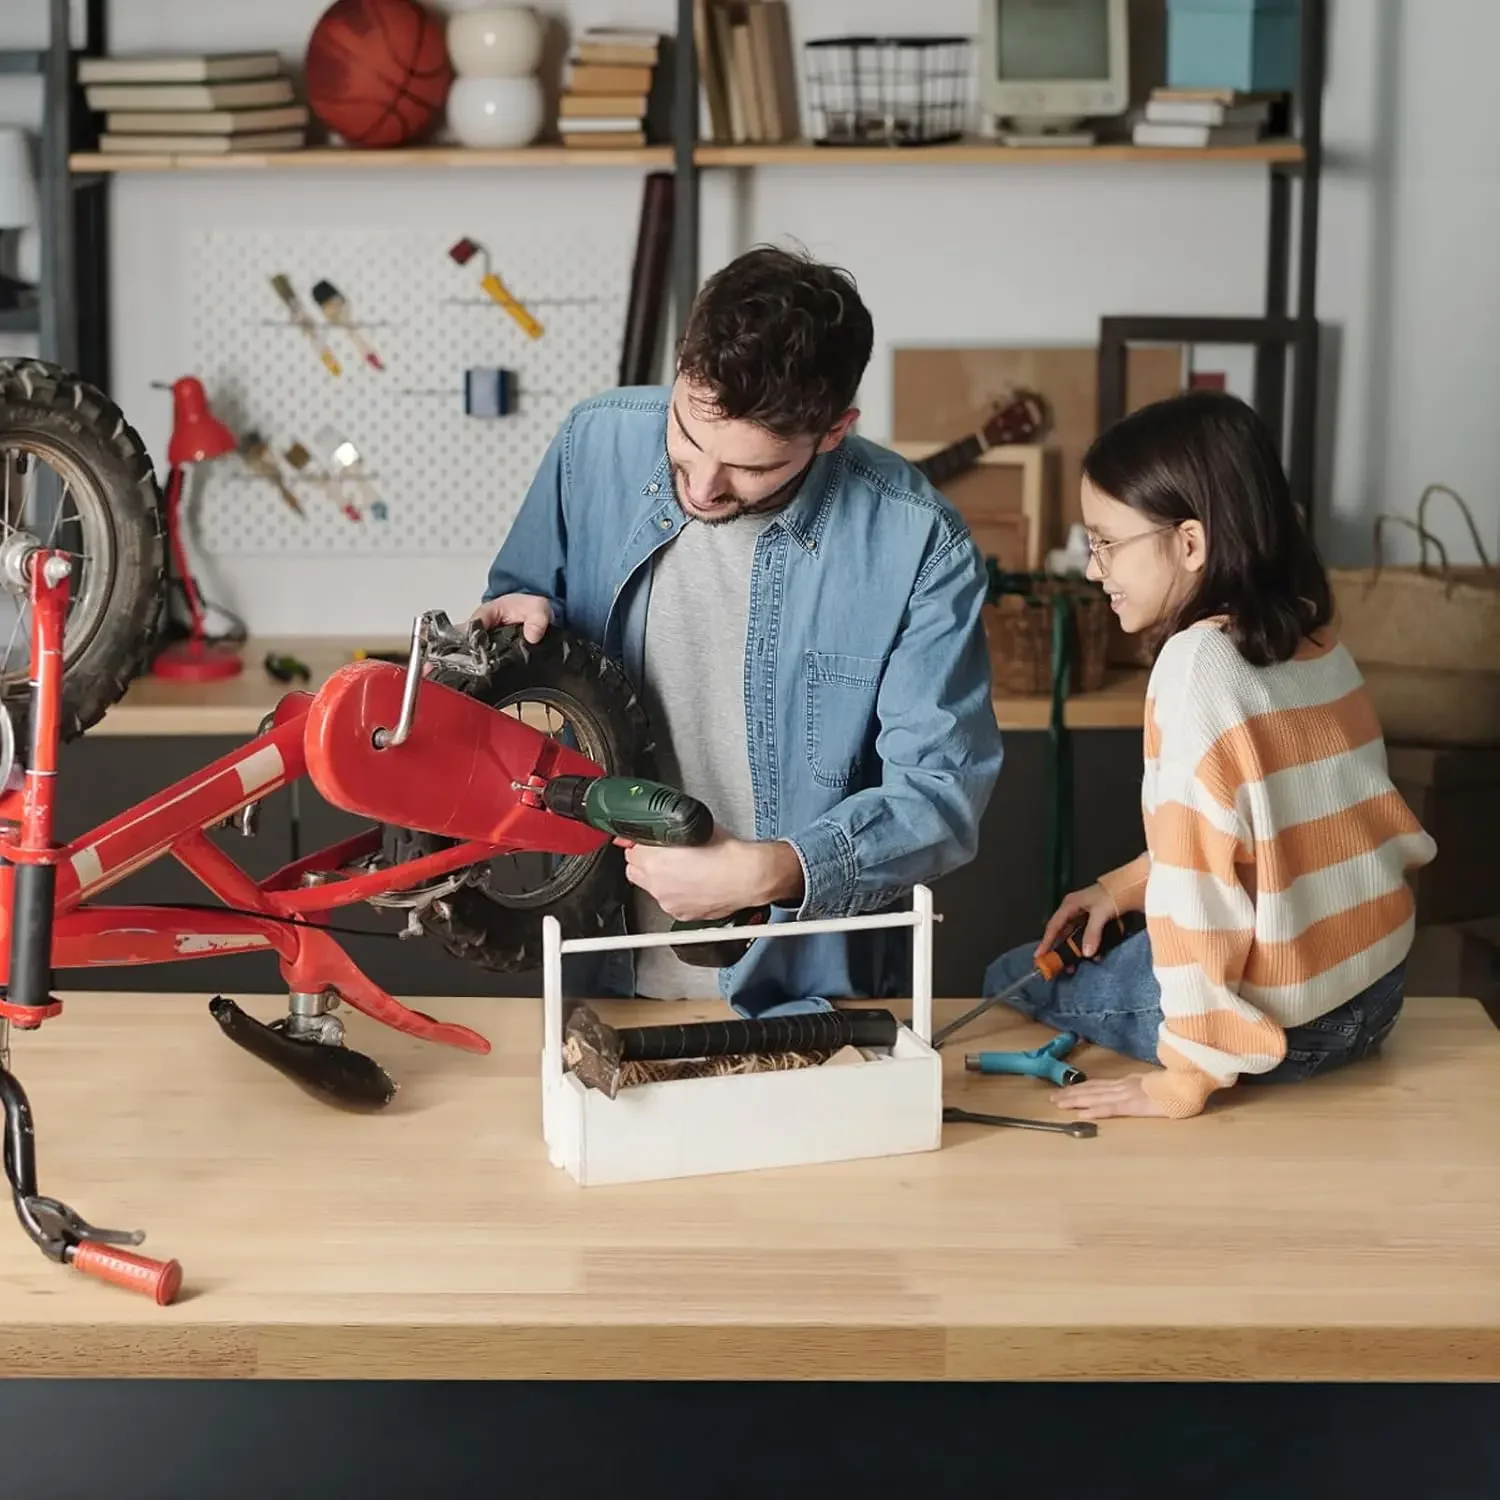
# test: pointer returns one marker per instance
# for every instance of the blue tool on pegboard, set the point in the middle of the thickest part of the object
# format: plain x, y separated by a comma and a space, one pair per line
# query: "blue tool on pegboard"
489, 393
1041, 1062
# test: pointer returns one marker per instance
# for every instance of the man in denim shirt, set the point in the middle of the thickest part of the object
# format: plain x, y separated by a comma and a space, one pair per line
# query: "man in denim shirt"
800, 611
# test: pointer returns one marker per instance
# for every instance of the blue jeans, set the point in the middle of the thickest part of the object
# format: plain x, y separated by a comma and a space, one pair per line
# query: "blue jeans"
1115, 1002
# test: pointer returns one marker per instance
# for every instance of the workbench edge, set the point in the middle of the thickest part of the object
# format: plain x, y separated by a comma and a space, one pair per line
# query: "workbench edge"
297, 1351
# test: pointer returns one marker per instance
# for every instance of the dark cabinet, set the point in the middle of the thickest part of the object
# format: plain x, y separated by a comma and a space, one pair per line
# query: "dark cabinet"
997, 901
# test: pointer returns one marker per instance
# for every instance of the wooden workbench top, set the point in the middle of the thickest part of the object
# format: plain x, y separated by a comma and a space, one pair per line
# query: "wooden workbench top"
237, 706
1343, 1229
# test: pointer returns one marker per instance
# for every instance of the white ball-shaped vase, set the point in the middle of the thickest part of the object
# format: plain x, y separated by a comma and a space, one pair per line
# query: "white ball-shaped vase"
495, 112
495, 41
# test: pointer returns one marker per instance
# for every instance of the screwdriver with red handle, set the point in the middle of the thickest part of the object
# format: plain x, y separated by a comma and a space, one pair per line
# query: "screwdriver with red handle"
1062, 957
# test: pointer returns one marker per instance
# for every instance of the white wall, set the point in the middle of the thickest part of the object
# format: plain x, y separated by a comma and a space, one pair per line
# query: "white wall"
1442, 359
1411, 215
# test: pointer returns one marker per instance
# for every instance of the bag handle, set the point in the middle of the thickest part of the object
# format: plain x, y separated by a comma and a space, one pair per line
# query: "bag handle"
1458, 500
1426, 537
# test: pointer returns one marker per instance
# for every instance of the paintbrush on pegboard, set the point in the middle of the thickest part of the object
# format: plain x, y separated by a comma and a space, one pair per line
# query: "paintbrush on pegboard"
463, 252
336, 310
283, 288
259, 459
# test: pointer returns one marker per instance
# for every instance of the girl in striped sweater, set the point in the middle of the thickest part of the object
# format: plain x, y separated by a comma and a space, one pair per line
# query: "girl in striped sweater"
1278, 915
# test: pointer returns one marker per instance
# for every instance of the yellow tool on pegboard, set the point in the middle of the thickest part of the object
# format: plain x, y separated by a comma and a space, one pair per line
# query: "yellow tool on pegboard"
463, 252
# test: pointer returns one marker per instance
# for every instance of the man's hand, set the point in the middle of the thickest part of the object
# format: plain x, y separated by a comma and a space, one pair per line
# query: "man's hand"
716, 879
530, 611
1100, 1098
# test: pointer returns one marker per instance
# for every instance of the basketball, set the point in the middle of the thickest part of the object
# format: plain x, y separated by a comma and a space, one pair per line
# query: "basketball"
377, 71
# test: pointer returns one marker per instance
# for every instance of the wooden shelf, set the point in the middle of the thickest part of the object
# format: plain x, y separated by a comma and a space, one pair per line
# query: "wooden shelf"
414, 158
1119, 704
983, 153
156, 706
795, 154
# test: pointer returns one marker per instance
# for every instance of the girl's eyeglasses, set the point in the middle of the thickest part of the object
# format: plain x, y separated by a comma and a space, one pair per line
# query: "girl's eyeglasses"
1100, 551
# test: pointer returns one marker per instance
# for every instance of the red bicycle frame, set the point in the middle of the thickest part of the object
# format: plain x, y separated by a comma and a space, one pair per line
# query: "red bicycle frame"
458, 769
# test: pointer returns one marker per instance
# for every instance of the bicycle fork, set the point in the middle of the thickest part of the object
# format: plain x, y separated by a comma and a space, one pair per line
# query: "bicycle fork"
29, 863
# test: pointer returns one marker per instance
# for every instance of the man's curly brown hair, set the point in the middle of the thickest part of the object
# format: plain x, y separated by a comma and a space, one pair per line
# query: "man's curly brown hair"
780, 340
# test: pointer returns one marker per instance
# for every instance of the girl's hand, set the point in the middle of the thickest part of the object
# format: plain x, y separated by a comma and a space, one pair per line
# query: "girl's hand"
1094, 902
1099, 1098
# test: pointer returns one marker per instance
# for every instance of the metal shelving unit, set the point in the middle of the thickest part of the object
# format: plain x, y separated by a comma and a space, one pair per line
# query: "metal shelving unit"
72, 315
1299, 162
75, 189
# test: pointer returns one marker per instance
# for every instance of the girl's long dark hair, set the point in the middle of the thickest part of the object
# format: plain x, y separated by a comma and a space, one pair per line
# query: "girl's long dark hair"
1206, 456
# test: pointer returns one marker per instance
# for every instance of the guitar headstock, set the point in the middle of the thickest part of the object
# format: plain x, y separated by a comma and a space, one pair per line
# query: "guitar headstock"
1025, 417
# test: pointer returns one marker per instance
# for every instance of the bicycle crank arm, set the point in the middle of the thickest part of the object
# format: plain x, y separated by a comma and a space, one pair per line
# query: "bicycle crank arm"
335, 1073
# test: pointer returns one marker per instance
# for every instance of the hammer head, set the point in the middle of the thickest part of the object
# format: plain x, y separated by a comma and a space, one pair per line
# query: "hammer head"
592, 1050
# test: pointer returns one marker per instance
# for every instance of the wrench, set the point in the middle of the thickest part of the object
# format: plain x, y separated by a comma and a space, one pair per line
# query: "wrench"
1081, 1129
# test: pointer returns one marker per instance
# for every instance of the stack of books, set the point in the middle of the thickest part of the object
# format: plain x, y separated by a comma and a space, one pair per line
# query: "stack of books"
748, 70
209, 104
615, 94
1195, 118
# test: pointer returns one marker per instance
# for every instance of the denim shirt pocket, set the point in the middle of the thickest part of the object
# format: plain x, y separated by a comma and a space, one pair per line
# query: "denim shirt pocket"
841, 695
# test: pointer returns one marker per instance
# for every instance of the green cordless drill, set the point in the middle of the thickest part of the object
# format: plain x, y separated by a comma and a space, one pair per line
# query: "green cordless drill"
647, 812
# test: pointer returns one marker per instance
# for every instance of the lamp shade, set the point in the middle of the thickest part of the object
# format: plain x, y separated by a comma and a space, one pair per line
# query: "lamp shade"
197, 434
18, 204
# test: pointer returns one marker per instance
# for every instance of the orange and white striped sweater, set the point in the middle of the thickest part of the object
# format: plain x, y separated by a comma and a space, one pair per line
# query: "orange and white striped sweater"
1274, 882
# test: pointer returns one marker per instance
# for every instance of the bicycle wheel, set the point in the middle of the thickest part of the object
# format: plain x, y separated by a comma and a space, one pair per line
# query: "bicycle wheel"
75, 477
491, 915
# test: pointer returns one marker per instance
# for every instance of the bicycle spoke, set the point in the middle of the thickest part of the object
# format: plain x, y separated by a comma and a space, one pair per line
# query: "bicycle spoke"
10, 645
68, 533
57, 516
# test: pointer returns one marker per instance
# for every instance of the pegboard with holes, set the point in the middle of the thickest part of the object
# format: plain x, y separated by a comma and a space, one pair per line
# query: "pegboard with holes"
427, 476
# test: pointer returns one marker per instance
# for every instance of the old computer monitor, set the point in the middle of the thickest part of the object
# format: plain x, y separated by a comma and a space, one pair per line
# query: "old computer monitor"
1046, 66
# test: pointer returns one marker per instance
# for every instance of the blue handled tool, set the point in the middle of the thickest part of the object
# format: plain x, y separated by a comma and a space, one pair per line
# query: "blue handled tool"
1041, 1062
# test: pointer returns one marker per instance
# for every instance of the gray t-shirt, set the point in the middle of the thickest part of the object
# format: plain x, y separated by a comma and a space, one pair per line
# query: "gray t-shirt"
695, 695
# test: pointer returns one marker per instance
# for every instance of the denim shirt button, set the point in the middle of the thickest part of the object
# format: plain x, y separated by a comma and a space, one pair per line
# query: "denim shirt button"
665, 523
651, 489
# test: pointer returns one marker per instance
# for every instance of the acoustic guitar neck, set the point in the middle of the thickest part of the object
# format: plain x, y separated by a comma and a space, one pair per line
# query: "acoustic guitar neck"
938, 468
1024, 419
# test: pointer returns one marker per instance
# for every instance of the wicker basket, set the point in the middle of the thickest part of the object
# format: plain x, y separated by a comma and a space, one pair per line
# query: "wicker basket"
1019, 626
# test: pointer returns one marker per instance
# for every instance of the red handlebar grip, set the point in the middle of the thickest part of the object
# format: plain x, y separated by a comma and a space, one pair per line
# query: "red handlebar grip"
160, 1280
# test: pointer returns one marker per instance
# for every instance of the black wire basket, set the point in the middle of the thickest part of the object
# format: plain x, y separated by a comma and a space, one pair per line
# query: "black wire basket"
888, 90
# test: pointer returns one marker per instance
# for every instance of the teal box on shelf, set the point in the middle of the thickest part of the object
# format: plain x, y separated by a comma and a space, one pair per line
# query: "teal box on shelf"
1249, 45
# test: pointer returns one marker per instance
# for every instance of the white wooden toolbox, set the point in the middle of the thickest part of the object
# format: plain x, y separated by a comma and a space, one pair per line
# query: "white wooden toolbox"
890, 1106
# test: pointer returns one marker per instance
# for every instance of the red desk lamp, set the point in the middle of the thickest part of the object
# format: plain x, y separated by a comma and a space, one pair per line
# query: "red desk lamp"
197, 437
